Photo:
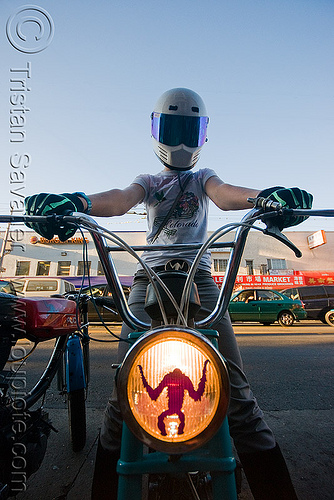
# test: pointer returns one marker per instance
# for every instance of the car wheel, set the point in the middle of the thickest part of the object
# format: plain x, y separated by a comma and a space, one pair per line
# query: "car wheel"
329, 317
286, 318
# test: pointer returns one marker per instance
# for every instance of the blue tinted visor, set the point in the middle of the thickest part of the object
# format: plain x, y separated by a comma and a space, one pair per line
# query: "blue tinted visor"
173, 130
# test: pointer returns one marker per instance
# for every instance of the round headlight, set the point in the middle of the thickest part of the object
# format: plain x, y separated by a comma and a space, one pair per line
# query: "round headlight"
173, 389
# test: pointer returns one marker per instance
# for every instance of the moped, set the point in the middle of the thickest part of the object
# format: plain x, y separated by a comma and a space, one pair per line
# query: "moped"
173, 385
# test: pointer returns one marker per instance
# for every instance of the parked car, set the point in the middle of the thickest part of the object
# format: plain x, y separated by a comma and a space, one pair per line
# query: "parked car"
266, 307
318, 301
42, 286
106, 312
7, 287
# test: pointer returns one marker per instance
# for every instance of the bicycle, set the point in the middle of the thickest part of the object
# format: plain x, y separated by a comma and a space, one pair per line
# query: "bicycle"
23, 427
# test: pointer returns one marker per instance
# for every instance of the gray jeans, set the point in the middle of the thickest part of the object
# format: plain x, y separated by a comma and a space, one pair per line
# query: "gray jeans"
247, 426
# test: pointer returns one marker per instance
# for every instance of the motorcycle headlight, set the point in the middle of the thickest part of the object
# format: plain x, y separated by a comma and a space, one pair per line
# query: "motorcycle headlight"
173, 389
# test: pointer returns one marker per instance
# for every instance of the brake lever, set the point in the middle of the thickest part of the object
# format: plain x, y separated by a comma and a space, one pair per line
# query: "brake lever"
272, 230
274, 209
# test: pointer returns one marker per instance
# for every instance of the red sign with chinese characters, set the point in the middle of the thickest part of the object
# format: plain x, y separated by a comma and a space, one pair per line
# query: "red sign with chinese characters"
264, 281
309, 278
318, 277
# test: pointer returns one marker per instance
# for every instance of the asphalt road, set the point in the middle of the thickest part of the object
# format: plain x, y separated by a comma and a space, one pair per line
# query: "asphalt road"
290, 371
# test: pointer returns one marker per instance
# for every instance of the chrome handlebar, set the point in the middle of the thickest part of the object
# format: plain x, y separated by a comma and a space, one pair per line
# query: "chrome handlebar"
263, 210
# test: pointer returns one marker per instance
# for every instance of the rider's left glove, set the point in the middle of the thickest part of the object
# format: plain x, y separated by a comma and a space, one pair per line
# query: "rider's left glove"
60, 204
289, 198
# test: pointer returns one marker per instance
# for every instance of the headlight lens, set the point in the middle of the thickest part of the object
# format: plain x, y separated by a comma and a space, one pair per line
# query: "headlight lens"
173, 389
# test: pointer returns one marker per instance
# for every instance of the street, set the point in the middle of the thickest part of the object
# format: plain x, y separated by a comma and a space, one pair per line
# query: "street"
290, 371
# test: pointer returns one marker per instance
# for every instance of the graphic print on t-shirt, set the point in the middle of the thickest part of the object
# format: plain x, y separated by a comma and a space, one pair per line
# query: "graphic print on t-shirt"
186, 209
160, 196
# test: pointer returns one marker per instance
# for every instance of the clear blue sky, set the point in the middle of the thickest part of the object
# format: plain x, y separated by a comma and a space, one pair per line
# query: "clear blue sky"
263, 67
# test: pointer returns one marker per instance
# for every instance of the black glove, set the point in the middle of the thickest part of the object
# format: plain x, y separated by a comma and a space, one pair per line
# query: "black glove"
60, 204
289, 198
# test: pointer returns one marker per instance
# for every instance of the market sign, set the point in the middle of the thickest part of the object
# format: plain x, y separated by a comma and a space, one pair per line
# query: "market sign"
263, 281
316, 239
303, 278
318, 278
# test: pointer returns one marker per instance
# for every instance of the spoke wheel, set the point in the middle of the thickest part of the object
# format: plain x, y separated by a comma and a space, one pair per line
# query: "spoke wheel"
286, 318
77, 418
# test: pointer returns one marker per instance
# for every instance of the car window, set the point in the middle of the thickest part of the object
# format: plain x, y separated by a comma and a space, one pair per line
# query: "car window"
245, 296
69, 287
42, 286
312, 292
330, 291
95, 291
18, 285
6, 287
291, 293
267, 295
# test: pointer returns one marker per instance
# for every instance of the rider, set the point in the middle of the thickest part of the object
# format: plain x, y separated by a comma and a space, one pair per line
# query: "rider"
177, 210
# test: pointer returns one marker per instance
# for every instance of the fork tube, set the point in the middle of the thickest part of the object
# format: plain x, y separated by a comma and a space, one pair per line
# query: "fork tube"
115, 285
230, 275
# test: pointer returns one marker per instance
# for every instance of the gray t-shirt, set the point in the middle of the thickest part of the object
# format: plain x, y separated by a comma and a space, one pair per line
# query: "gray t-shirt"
187, 223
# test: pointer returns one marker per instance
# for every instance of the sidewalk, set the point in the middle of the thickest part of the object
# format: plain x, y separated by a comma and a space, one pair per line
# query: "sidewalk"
65, 475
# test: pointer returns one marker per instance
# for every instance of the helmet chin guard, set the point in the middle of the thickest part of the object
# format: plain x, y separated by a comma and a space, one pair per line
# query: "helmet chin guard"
182, 158
179, 128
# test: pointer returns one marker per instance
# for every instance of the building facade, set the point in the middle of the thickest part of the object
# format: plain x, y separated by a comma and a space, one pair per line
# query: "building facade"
266, 262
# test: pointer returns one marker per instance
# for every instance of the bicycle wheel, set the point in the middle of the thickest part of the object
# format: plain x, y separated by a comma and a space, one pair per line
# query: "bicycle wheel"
76, 401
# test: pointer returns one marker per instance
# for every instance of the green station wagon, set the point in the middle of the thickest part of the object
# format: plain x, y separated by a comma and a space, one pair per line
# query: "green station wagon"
266, 307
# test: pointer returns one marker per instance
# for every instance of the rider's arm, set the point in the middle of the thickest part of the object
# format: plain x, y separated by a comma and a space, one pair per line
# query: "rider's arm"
227, 196
116, 201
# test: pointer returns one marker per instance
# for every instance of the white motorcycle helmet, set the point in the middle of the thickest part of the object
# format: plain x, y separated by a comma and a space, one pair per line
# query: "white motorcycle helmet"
179, 127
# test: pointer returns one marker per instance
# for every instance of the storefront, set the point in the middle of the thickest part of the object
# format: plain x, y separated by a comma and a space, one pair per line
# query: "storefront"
280, 282
266, 263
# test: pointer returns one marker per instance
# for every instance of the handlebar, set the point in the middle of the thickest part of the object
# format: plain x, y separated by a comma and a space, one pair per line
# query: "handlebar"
264, 210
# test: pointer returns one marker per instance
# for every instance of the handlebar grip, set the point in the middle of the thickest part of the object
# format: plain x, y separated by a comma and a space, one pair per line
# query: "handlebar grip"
265, 204
104, 301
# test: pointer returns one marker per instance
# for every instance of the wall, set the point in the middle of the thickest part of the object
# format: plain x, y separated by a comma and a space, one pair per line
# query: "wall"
259, 248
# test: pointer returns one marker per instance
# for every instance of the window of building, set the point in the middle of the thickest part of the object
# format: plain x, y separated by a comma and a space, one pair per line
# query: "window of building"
82, 267
276, 264
22, 268
249, 267
63, 268
263, 269
220, 265
43, 268
99, 269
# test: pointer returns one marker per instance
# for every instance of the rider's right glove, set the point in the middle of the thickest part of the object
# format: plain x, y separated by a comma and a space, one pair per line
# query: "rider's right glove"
289, 198
60, 204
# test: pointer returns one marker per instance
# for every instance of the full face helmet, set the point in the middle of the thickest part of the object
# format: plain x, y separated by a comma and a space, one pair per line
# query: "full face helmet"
179, 128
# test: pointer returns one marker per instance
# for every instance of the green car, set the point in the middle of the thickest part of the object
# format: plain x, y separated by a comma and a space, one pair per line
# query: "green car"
265, 306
